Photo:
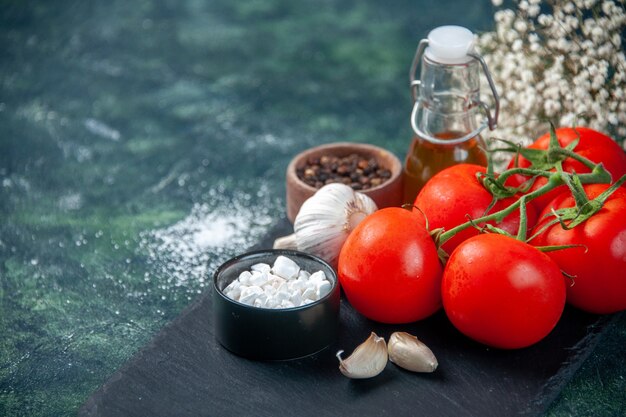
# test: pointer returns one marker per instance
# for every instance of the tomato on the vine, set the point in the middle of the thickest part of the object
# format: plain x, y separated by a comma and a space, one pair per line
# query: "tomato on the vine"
453, 195
598, 264
502, 292
389, 269
592, 145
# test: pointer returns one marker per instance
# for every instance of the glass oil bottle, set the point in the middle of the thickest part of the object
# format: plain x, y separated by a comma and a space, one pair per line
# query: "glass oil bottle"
446, 107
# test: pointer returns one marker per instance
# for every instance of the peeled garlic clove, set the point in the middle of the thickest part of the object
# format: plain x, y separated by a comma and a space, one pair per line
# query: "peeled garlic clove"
368, 359
406, 351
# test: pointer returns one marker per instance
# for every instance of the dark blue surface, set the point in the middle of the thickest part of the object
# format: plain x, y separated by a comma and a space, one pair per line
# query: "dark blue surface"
143, 143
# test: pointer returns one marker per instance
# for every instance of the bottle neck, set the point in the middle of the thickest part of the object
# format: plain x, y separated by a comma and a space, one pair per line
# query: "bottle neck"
448, 99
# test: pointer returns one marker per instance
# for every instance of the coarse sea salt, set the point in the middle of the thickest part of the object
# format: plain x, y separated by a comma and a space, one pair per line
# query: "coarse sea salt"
282, 285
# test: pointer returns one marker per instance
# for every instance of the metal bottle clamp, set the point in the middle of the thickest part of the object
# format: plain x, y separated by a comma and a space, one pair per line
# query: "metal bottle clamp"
490, 120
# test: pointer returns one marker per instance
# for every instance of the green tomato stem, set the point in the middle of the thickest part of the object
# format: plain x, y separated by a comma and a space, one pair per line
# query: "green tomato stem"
523, 220
522, 171
571, 154
554, 180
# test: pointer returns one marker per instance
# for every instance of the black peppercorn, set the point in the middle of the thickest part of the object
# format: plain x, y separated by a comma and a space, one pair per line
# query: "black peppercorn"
358, 172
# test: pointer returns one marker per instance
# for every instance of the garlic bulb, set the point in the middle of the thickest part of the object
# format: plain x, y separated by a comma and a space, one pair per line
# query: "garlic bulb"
326, 219
368, 359
408, 352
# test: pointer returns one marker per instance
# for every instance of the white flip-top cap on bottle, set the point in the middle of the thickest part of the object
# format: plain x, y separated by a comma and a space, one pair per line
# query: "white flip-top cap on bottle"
450, 45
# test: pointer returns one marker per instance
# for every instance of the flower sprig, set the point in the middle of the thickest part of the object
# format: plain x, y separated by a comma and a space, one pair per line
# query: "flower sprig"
558, 60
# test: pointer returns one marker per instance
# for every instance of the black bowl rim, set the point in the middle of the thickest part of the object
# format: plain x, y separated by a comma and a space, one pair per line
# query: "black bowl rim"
272, 252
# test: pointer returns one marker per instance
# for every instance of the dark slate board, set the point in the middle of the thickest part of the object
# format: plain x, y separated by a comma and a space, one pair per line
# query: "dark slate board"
183, 371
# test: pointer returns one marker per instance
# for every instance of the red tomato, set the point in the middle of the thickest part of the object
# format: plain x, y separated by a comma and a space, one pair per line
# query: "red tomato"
502, 292
593, 145
389, 268
455, 193
599, 285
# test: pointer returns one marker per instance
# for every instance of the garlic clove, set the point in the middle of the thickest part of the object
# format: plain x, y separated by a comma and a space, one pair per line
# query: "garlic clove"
368, 359
408, 352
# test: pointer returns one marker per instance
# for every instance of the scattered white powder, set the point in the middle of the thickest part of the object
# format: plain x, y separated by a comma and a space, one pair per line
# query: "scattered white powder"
187, 252
216, 231
72, 201
101, 129
267, 141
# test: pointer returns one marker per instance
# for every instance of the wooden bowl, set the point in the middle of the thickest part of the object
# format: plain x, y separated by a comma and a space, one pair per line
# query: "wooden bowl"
387, 194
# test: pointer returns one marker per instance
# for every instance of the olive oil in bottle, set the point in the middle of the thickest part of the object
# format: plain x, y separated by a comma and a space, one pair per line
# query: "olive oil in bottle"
425, 159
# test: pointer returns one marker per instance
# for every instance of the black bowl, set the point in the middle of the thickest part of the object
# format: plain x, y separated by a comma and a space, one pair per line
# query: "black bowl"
274, 334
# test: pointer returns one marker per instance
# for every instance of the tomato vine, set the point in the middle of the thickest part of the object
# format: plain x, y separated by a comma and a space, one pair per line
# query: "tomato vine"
544, 163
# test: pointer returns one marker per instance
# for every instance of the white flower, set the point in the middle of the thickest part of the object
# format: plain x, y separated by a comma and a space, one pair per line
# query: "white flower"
550, 62
569, 8
520, 25
545, 19
533, 10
